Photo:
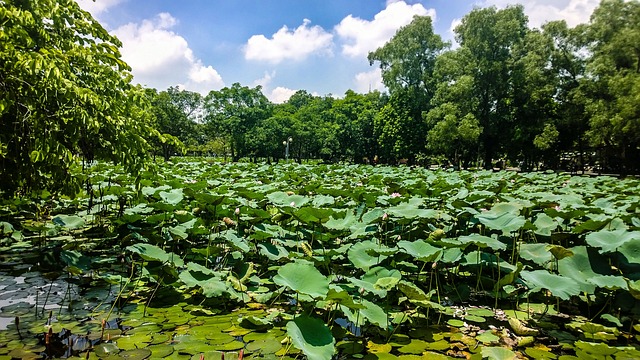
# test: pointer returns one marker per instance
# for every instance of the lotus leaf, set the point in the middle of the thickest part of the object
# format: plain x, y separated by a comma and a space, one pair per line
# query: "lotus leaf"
482, 241
311, 336
149, 252
304, 278
172, 197
610, 240
560, 286
359, 256
505, 221
498, 353
374, 313
69, 221
420, 250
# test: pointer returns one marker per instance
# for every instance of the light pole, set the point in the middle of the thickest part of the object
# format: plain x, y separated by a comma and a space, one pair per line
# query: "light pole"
286, 150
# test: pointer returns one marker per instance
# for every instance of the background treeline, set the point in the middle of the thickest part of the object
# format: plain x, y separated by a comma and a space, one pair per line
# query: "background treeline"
553, 97
556, 97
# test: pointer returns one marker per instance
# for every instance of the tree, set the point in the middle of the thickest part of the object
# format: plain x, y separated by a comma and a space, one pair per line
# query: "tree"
176, 112
613, 88
232, 112
488, 37
66, 96
407, 63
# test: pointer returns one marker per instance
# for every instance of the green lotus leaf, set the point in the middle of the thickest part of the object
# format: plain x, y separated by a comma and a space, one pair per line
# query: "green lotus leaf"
69, 221
360, 258
386, 283
149, 252
339, 296
560, 286
482, 241
487, 337
498, 353
412, 210
273, 252
106, 349
75, 259
584, 266
264, 346
309, 215
610, 240
545, 224
505, 221
631, 253
610, 282
304, 278
283, 199
172, 197
311, 336
344, 223
414, 347
536, 252
540, 354
420, 250
374, 313
135, 354
160, 351
455, 322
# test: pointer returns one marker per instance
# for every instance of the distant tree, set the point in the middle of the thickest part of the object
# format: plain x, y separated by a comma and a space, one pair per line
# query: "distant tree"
176, 112
612, 89
231, 113
407, 63
65, 96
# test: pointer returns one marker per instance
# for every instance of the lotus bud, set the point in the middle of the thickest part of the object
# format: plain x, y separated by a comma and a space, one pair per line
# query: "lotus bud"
385, 217
237, 212
361, 290
434, 265
292, 204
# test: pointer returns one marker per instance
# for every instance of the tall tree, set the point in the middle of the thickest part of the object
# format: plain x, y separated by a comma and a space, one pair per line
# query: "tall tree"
407, 63
232, 112
65, 95
176, 112
488, 36
613, 88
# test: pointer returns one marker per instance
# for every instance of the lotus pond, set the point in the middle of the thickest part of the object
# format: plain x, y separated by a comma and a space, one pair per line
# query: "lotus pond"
204, 260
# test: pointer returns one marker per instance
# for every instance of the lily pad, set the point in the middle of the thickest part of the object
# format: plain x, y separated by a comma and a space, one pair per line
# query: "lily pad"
311, 336
303, 277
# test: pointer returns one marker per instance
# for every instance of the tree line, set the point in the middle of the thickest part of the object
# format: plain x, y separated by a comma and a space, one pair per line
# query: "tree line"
554, 97
506, 92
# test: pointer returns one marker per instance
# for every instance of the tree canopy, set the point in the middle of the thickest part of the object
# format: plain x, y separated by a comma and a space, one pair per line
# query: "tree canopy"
66, 96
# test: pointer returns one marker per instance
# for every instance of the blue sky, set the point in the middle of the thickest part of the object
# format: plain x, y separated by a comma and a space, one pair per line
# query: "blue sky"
283, 45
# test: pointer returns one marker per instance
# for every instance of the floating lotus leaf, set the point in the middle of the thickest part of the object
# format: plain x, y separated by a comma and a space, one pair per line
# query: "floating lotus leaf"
487, 337
106, 349
304, 278
273, 252
264, 346
135, 354
414, 347
160, 351
540, 354
498, 353
560, 286
172, 197
208, 355
412, 210
69, 221
455, 322
311, 336
376, 348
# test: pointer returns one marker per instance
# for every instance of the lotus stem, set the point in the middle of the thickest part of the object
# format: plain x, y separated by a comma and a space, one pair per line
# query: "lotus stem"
17, 321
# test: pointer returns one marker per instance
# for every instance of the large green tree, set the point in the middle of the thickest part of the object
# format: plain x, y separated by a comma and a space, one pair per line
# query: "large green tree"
488, 38
232, 112
612, 90
65, 96
407, 63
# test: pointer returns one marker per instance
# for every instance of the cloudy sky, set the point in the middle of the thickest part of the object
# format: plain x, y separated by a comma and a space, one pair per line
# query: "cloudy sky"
283, 45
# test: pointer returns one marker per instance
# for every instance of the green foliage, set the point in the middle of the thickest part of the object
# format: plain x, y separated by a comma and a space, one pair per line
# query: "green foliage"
66, 96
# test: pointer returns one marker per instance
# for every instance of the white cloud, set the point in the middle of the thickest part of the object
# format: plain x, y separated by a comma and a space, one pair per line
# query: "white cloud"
280, 94
363, 36
295, 44
161, 58
97, 7
370, 80
539, 12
